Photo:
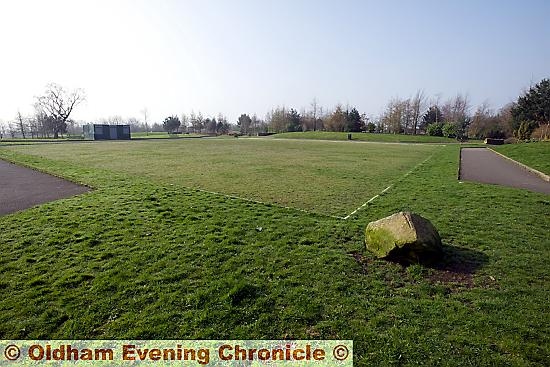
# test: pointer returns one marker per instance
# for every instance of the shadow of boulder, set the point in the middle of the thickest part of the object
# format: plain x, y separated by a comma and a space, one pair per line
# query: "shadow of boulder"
456, 266
460, 260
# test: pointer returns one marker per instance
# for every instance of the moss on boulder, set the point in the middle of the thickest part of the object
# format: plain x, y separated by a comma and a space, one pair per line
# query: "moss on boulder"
405, 237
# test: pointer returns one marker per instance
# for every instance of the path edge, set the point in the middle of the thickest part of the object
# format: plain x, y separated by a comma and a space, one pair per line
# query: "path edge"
544, 176
40, 170
459, 171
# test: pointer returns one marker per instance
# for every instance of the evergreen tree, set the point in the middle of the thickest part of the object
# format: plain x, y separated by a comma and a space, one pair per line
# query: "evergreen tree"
532, 109
244, 123
294, 120
433, 115
353, 121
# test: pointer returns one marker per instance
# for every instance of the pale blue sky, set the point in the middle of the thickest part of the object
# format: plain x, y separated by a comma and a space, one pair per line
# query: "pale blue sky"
248, 56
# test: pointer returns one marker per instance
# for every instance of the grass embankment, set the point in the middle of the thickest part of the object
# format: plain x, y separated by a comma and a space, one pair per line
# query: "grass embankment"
4, 142
386, 138
328, 178
163, 135
534, 155
140, 259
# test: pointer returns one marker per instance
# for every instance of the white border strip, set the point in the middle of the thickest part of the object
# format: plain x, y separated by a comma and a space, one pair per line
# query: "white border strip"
389, 187
263, 203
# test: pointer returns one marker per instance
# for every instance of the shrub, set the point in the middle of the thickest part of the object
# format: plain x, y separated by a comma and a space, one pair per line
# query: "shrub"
510, 140
371, 127
449, 130
435, 129
171, 124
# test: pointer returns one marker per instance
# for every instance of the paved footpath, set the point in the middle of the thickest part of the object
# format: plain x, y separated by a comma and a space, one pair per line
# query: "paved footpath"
485, 166
22, 188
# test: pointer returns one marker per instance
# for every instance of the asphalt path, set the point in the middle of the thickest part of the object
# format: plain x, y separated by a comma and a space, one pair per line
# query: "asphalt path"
485, 166
22, 188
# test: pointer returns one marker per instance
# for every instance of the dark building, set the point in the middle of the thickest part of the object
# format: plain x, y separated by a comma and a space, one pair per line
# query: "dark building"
106, 132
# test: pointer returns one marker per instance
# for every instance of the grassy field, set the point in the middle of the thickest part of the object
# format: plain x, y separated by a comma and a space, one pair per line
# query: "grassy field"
386, 138
535, 155
140, 258
325, 177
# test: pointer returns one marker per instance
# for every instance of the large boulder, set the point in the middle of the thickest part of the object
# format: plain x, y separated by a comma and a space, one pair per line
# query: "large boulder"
404, 237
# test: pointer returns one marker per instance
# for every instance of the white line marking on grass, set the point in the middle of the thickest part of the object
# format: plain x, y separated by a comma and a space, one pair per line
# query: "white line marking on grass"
362, 206
266, 203
371, 199
387, 188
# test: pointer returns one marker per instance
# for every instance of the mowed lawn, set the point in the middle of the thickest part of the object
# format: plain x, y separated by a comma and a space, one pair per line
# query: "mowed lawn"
142, 259
324, 177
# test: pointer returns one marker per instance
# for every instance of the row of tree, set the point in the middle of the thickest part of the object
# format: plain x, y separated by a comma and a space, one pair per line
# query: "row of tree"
193, 123
528, 117
196, 124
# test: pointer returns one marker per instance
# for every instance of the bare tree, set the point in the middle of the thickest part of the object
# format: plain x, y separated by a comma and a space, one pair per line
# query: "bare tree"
278, 119
507, 119
33, 127
40, 121
222, 126
337, 120
254, 124
184, 122
72, 128
201, 119
145, 115
417, 106
320, 123
2, 130
485, 123
21, 124
193, 121
483, 117
59, 104
406, 115
12, 129
394, 117
436, 102
456, 111
314, 112
135, 124
112, 120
